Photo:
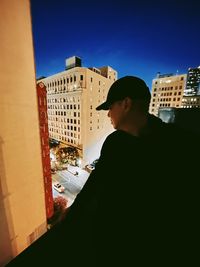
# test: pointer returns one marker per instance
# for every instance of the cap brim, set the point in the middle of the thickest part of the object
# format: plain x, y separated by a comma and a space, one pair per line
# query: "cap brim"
103, 106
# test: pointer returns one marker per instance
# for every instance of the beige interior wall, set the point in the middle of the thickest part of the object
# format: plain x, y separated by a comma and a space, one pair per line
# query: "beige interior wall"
22, 202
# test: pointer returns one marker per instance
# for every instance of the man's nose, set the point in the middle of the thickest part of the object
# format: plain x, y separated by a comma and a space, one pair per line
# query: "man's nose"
108, 113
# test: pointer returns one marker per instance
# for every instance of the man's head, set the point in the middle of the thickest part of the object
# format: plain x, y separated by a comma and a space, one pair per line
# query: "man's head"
128, 86
128, 102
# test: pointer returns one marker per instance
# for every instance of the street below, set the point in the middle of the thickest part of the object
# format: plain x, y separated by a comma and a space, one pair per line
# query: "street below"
72, 182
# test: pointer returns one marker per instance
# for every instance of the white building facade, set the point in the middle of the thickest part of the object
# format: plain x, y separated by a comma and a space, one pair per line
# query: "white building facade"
72, 98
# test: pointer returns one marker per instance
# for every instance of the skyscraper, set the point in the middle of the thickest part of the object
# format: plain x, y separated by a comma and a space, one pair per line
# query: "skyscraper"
193, 82
191, 97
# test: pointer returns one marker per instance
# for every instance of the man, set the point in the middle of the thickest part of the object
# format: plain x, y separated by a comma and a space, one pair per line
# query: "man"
139, 207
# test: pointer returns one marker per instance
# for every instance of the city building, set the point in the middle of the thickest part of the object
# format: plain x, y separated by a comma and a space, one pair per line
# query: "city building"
191, 101
191, 96
193, 82
72, 98
167, 91
22, 210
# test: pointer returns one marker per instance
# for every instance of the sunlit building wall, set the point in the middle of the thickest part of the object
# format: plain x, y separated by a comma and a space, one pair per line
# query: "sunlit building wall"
22, 209
72, 98
167, 91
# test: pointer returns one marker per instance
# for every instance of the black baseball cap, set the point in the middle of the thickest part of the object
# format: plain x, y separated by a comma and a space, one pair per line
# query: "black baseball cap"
130, 86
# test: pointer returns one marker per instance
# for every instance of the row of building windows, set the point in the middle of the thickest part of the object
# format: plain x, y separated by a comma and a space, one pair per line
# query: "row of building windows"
69, 107
64, 89
166, 99
64, 113
163, 105
168, 88
62, 126
70, 134
63, 99
67, 84
169, 94
65, 139
170, 99
191, 100
65, 120
191, 106
64, 80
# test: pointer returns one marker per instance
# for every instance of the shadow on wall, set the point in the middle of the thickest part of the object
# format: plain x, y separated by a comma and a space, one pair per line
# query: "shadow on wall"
6, 227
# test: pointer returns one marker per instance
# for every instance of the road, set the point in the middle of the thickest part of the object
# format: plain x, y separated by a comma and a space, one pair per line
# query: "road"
72, 183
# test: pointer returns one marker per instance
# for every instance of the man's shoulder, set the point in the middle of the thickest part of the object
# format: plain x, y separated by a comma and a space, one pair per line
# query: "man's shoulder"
117, 141
171, 129
180, 131
118, 136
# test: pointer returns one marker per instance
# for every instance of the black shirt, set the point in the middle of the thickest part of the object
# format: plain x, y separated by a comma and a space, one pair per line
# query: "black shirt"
139, 202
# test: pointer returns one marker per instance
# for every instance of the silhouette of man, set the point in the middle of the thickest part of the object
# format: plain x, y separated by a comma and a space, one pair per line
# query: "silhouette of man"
134, 205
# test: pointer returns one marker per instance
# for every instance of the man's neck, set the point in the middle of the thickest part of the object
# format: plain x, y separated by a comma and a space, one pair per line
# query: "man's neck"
136, 126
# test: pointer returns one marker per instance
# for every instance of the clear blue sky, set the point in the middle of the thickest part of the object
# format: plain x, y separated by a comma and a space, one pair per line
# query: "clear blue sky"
137, 38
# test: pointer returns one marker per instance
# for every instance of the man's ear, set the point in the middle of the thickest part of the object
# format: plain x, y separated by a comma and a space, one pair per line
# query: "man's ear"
128, 102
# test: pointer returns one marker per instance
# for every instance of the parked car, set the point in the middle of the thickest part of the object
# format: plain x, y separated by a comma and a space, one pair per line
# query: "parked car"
94, 162
57, 186
89, 168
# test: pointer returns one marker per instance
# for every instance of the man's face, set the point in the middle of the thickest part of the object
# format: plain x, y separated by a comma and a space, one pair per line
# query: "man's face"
116, 114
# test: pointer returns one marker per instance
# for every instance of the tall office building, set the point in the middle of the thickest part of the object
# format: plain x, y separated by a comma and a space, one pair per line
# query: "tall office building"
191, 97
193, 82
72, 98
167, 91
22, 197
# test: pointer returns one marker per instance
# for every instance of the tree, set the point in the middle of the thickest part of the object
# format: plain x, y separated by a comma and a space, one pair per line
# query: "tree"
60, 209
